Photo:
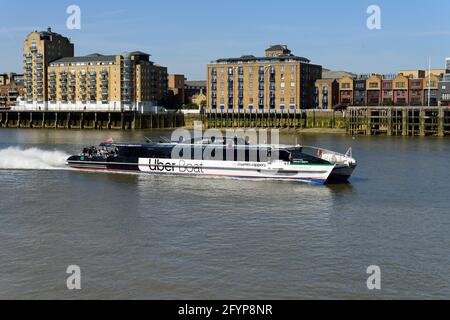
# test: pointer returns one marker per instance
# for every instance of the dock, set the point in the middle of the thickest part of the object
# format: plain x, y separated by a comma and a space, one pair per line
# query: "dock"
89, 120
399, 121
281, 120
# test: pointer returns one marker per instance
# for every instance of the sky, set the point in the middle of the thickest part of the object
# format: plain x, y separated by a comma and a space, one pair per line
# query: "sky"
186, 35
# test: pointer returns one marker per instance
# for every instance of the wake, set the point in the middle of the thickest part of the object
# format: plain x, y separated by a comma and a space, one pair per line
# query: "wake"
32, 159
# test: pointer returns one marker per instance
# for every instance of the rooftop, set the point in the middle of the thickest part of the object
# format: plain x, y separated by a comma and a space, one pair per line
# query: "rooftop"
94, 58
278, 47
330, 74
249, 59
275, 53
196, 83
49, 34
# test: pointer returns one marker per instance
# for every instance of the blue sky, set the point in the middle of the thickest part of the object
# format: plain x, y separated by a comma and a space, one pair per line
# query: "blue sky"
185, 35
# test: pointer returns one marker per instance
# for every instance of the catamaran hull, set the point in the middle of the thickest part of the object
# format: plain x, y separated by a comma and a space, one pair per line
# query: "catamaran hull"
248, 171
341, 174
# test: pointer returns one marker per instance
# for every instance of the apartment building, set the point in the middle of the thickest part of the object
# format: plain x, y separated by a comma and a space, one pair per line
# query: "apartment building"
176, 87
327, 93
346, 90
400, 87
11, 78
57, 80
10, 94
374, 90
11, 88
279, 81
194, 89
40, 48
360, 90
416, 88
431, 90
444, 91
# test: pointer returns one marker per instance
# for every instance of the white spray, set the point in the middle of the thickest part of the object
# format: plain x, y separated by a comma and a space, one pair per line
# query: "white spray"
31, 159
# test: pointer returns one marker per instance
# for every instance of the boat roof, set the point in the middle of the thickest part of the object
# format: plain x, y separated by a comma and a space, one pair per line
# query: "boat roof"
173, 144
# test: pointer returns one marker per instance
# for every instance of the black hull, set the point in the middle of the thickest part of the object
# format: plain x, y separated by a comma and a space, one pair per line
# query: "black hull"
99, 163
341, 174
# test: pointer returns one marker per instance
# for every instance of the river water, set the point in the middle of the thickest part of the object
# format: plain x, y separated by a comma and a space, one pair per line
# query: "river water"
149, 237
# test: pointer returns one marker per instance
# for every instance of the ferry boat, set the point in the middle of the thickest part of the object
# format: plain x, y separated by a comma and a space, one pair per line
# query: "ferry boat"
231, 158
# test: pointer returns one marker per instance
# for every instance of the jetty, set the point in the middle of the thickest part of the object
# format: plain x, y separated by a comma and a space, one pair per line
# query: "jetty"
399, 121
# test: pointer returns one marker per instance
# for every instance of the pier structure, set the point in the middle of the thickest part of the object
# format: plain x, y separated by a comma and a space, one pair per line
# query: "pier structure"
281, 119
399, 121
89, 120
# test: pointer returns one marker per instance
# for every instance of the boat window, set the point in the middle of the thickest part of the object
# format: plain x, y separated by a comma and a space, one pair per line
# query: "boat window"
163, 153
301, 157
284, 155
132, 152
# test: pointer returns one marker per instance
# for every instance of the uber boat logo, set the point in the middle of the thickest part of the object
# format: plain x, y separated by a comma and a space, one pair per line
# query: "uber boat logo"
74, 280
374, 281
155, 165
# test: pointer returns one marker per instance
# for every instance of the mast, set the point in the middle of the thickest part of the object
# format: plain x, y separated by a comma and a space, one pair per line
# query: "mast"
429, 82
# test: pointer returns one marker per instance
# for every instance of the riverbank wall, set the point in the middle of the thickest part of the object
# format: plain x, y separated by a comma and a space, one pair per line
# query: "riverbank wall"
89, 120
391, 121
307, 119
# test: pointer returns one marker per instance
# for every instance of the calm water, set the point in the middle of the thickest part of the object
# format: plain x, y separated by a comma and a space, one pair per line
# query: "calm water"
146, 237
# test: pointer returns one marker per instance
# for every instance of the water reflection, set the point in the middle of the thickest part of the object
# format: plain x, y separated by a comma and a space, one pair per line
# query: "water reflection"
232, 196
